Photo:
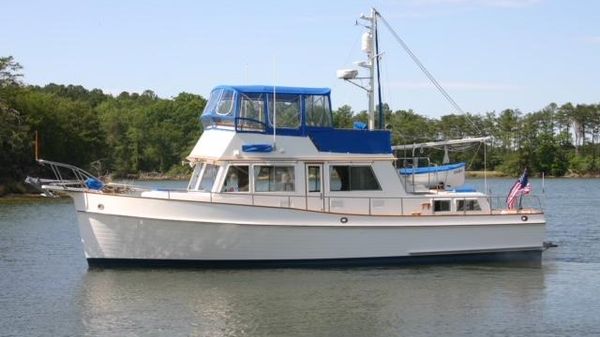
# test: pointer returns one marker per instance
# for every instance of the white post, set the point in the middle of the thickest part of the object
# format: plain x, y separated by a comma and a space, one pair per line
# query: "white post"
372, 56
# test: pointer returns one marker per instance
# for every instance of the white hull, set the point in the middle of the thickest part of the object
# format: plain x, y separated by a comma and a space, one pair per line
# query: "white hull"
131, 228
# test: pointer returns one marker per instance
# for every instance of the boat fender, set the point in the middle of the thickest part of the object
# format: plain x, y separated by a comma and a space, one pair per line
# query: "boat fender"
344, 219
524, 218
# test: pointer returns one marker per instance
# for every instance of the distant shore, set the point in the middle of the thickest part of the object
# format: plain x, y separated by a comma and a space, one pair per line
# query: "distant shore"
489, 174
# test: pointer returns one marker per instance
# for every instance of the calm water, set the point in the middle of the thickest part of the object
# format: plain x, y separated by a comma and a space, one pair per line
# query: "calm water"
47, 290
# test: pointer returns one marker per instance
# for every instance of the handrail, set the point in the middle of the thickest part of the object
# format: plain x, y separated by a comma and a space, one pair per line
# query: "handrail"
79, 175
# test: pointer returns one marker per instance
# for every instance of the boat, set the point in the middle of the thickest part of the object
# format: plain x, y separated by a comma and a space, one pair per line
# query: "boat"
420, 175
275, 184
440, 176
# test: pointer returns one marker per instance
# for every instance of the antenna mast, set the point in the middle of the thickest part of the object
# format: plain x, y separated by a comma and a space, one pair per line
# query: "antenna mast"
369, 46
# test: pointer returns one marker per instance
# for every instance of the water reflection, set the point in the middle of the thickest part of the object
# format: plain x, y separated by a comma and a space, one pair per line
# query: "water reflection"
363, 302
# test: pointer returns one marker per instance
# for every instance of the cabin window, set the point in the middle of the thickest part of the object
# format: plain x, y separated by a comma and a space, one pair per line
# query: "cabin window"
208, 177
252, 112
274, 178
236, 179
225, 105
195, 175
468, 205
441, 205
317, 111
352, 178
287, 109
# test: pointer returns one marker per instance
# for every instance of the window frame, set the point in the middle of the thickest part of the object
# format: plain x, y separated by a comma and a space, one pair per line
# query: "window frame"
214, 179
292, 178
350, 185
270, 113
226, 176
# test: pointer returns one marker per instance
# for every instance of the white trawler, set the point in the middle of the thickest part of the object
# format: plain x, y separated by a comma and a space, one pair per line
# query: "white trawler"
275, 184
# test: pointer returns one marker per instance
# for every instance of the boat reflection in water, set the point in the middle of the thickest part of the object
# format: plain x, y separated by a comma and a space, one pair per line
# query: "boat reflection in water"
351, 302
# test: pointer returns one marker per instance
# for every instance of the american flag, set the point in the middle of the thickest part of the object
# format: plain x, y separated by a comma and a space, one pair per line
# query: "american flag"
520, 187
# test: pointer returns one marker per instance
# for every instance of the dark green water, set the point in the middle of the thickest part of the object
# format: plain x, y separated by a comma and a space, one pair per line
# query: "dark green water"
47, 290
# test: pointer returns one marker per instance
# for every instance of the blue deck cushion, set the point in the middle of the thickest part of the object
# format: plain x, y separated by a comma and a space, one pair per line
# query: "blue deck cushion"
257, 148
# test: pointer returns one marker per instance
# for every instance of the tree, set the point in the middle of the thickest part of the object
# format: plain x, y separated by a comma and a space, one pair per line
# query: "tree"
9, 72
342, 117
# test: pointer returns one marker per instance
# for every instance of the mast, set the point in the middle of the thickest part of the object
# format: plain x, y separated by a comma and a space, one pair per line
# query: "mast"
370, 49
369, 45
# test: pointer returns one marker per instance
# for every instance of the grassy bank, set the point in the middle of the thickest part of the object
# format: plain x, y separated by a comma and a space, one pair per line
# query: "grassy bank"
489, 174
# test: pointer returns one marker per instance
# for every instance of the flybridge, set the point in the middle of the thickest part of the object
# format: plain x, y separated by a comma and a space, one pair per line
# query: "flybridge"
288, 111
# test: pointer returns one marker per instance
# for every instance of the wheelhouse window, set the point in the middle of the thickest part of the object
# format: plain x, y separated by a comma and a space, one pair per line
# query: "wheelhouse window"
220, 108
287, 109
195, 176
317, 109
212, 101
352, 178
252, 112
274, 178
237, 179
208, 177
226, 103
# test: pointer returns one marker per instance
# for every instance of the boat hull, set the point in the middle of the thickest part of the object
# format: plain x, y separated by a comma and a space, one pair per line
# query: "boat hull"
130, 230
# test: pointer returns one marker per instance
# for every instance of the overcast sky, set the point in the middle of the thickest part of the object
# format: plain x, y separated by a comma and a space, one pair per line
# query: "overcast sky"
488, 54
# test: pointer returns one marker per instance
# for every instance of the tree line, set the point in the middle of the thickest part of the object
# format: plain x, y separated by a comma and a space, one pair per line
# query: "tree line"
556, 141
132, 133
121, 135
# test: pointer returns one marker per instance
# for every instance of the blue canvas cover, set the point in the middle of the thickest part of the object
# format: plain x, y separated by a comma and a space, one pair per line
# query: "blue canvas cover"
430, 169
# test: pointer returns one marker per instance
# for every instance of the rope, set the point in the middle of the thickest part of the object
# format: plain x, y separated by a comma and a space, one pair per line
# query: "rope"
426, 72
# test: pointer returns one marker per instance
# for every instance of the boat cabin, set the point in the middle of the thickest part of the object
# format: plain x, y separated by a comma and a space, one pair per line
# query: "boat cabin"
277, 147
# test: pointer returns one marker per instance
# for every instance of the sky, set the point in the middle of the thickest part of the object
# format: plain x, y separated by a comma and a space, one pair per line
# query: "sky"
489, 55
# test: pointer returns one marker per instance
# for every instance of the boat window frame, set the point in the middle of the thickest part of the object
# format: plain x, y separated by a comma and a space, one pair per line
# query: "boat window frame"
224, 189
434, 202
463, 208
309, 110
232, 103
292, 179
245, 123
196, 176
214, 179
270, 107
350, 166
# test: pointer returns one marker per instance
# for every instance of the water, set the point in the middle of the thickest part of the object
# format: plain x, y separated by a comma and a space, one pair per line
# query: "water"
47, 290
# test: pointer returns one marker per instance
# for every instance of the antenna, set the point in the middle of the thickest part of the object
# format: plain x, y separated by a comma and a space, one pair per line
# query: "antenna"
274, 104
